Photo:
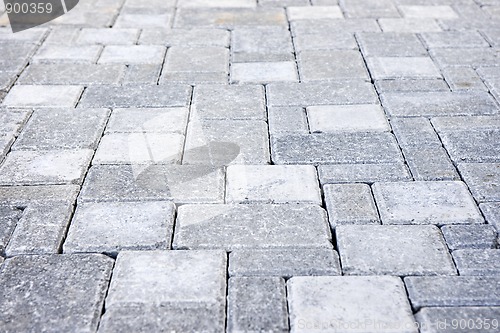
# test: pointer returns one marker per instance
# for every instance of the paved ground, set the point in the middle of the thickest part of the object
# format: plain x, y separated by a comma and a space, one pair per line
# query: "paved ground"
211, 165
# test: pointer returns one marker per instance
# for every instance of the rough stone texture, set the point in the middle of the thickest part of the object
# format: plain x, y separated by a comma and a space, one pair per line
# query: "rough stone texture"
393, 250
331, 303
233, 227
472, 146
180, 183
167, 289
390, 44
382, 68
43, 96
447, 320
477, 261
18, 195
331, 65
284, 262
350, 204
114, 227
144, 120
444, 202
363, 173
483, 180
257, 304
53, 292
478, 236
264, 72
304, 27
453, 291
272, 184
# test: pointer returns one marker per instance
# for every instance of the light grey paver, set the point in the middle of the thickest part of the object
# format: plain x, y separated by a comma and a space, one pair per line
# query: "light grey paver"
402, 68
61, 53
350, 204
229, 18
58, 292
257, 304
333, 303
284, 262
429, 163
472, 146
148, 120
314, 13
325, 41
180, 183
447, 320
132, 54
142, 74
261, 44
474, 57
233, 227
390, 44
415, 132
476, 123
272, 184
477, 261
483, 180
168, 289
363, 173
463, 78
393, 250
9, 217
186, 37
115, 36
411, 85
118, 226
307, 27
331, 65
43, 96
436, 12
443, 202
45, 167
216, 3
478, 236
409, 25
264, 72
453, 291
287, 120
196, 59
363, 9
491, 212
129, 19
13, 120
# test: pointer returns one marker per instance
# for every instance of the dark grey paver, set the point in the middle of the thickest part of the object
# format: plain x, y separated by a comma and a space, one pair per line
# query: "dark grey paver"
458, 319
483, 180
472, 146
429, 163
477, 261
478, 236
411, 85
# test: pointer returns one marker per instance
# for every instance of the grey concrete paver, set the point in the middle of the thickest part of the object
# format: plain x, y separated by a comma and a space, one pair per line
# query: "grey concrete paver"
477, 236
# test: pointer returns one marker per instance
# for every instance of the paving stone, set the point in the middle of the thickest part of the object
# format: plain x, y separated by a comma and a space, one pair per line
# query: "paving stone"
463, 78
257, 304
325, 41
229, 102
453, 291
73, 74
476, 236
436, 12
320, 93
477, 123
180, 183
152, 120
195, 78
364, 9
415, 132
483, 180
349, 118
283, 3
132, 54
350, 204
261, 44
264, 72
19, 195
73, 54
115, 36
455, 39
234, 227
33, 35
477, 261
284, 262
224, 142
53, 292
199, 59
447, 320
332, 303
409, 25
429, 163
143, 20
314, 13
472, 146
411, 85
390, 44
393, 250
9, 217
63, 129
272, 184
229, 17
306, 27
402, 67
287, 120
443, 202
335, 148
7, 79
186, 37
474, 57
329, 65
43, 96
363, 173
136, 96
140, 148
142, 74
425, 104
114, 227
165, 290
491, 212
13, 120
216, 3
45, 167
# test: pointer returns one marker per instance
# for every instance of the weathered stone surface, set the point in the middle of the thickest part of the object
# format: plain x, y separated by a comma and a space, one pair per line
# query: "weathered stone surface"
50, 167
272, 184
478, 236
335, 148
53, 292
429, 163
143, 96
224, 142
63, 53
264, 72
491, 212
13, 120
350, 204
448, 320
390, 44
477, 261
409, 25
331, 65
115, 36
320, 93
256, 304
284, 262
349, 118
453, 291
427, 104
334, 303
118, 226
259, 44
180, 183
483, 180
132, 54
287, 120
186, 37
229, 102
415, 132
363, 173
148, 120
43, 96
229, 18
402, 68
472, 146
63, 129
443, 202
233, 227
167, 289
411, 85
393, 250
9, 217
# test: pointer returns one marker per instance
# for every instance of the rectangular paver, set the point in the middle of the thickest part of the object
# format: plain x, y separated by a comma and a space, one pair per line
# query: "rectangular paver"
43, 96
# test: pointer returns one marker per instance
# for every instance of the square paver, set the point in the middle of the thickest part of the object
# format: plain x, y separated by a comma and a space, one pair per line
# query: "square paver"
43, 96
272, 184
402, 67
264, 72
445, 202
132, 54
393, 250
148, 120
